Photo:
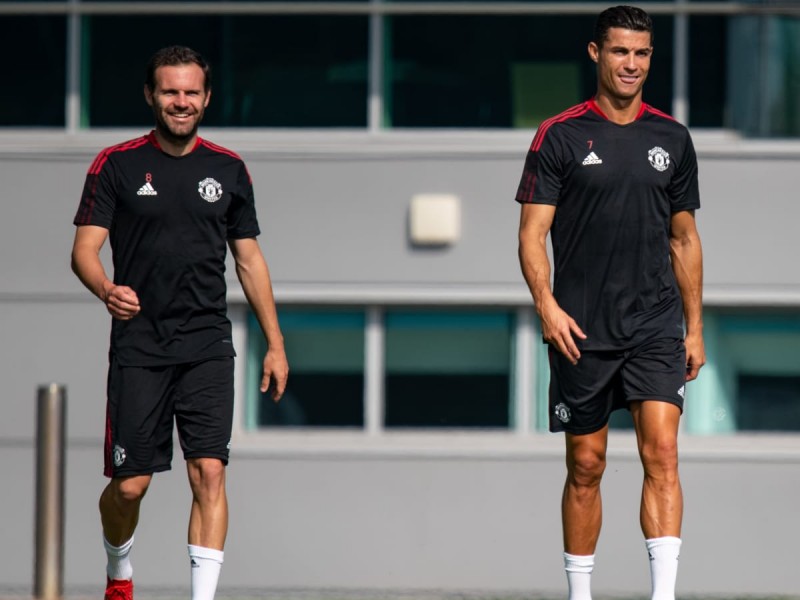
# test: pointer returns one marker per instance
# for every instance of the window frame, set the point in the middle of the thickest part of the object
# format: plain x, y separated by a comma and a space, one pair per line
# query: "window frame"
525, 341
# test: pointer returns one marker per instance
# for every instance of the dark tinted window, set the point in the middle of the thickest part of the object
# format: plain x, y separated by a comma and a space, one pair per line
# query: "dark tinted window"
268, 71
35, 69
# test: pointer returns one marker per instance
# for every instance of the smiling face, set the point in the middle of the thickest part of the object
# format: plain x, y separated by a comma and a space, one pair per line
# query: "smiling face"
623, 62
178, 100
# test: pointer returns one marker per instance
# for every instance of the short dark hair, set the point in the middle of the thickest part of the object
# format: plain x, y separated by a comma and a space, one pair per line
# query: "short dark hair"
172, 56
624, 17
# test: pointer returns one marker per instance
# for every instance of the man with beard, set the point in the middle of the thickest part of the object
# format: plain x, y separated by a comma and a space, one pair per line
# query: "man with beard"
613, 181
170, 202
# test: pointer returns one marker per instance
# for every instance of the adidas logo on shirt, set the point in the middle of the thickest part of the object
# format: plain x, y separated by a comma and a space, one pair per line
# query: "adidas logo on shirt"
147, 190
592, 159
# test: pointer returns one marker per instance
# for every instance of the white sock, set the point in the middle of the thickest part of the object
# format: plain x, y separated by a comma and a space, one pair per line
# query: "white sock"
579, 575
119, 562
206, 565
664, 552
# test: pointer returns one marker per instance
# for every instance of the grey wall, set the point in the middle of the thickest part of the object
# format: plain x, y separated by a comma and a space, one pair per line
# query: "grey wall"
378, 522
398, 512
335, 210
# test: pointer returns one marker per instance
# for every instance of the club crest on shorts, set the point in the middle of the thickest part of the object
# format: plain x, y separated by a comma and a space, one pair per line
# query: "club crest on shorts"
210, 189
659, 158
562, 412
119, 455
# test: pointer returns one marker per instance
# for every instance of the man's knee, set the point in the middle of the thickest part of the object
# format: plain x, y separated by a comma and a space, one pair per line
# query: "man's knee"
206, 476
660, 456
585, 466
127, 490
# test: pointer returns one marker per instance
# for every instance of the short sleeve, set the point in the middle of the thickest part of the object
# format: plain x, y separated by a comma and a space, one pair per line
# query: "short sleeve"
99, 197
684, 190
242, 220
541, 179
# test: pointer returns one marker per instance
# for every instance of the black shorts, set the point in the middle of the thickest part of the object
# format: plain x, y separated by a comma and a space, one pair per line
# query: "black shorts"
583, 396
144, 401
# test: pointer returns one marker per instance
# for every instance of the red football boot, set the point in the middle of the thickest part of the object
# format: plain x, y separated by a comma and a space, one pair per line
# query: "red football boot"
119, 589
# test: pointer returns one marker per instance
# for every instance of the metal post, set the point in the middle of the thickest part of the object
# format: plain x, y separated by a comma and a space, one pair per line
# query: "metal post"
374, 395
72, 107
525, 370
50, 428
375, 102
680, 71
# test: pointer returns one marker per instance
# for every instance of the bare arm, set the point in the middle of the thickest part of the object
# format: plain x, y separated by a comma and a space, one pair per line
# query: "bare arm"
558, 328
253, 273
121, 301
687, 263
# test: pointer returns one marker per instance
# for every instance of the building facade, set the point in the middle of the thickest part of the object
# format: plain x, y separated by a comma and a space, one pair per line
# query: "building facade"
411, 449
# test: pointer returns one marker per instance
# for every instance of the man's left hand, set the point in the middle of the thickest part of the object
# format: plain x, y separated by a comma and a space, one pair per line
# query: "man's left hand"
276, 373
695, 355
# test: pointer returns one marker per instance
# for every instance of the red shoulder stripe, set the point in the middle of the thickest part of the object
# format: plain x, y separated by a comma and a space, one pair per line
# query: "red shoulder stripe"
101, 159
222, 150
570, 113
217, 148
657, 112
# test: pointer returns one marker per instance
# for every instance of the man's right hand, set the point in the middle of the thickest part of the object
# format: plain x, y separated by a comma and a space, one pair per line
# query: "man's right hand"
560, 330
121, 301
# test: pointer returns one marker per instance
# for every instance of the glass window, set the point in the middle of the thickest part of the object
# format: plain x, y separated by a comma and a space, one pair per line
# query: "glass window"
499, 71
34, 79
326, 357
764, 75
116, 56
768, 403
707, 72
448, 369
268, 71
752, 374
298, 71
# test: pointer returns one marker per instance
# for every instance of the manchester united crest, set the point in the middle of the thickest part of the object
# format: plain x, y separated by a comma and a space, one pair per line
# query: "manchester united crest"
659, 158
119, 455
563, 413
210, 189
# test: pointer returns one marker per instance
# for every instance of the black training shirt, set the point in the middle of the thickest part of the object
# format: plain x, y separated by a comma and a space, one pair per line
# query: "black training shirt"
615, 188
169, 219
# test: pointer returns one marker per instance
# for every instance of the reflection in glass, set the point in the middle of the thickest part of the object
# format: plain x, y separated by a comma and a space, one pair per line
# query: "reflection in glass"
268, 71
326, 384
499, 71
448, 369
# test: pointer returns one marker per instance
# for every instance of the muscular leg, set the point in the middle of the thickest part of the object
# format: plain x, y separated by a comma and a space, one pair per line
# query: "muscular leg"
119, 515
581, 508
661, 513
656, 426
208, 522
119, 507
581, 505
